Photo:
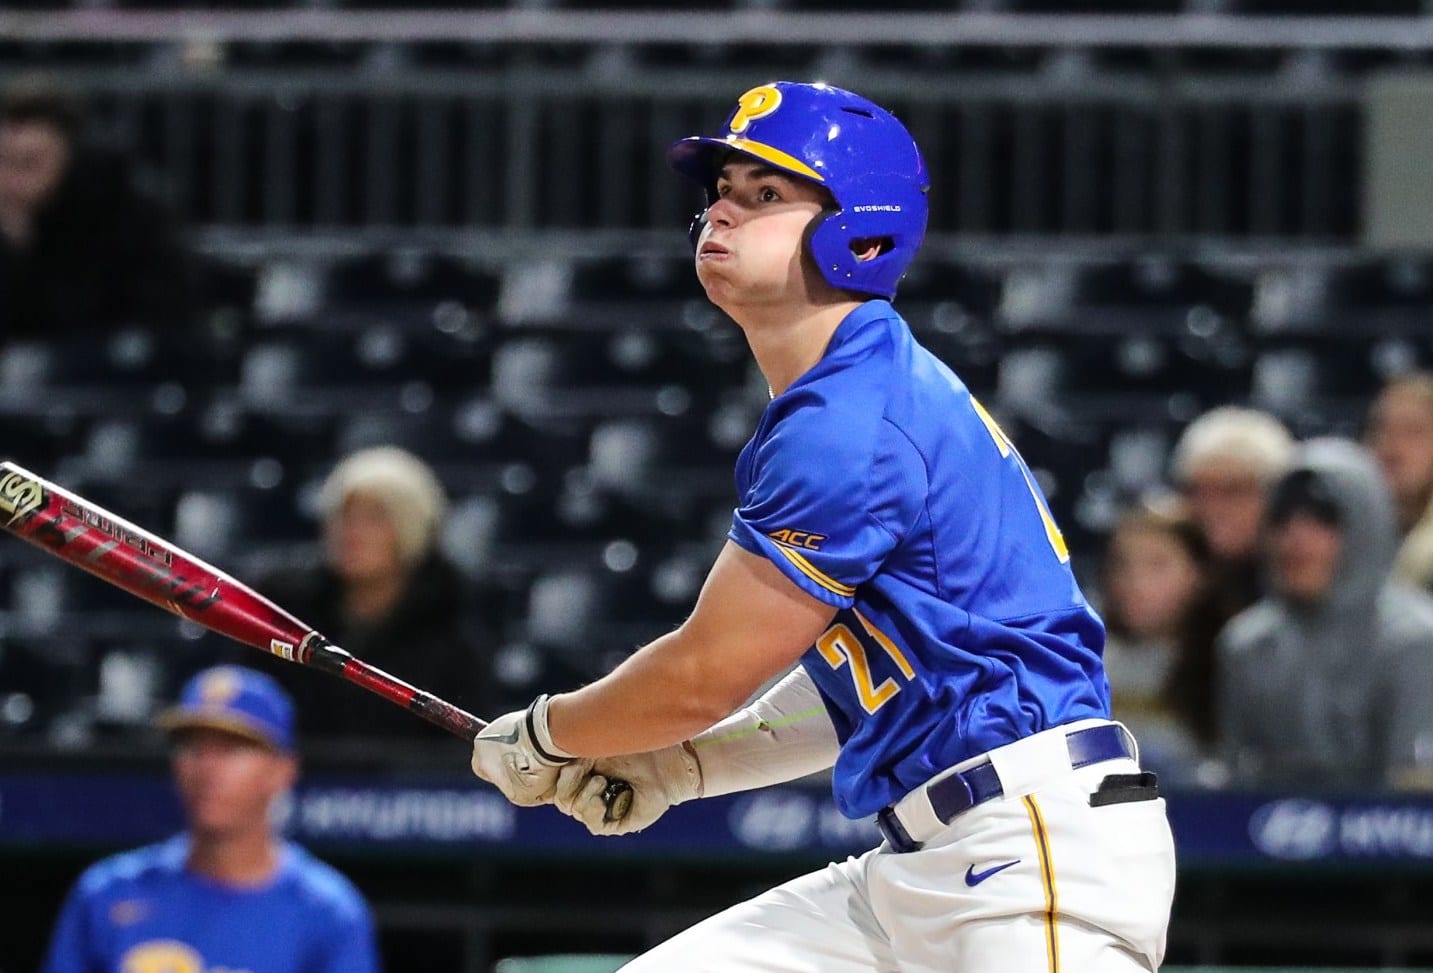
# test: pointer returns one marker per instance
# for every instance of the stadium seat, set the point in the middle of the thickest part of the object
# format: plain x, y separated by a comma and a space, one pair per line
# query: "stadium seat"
42, 679
1407, 8
975, 287
38, 442
661, 461
431, 437
213, 447
593, 616
1386, 296
575, 377
220, 524
650, 277
1153, 291
966, 341
320, 373
409, 276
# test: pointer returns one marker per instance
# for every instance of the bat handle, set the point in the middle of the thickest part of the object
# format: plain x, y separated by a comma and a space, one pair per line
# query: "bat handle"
617, 796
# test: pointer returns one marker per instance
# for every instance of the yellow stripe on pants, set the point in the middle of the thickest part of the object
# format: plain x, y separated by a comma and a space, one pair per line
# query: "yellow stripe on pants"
1047, 878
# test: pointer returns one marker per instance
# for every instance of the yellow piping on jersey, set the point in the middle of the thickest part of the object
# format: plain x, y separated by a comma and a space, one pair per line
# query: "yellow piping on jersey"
815, 574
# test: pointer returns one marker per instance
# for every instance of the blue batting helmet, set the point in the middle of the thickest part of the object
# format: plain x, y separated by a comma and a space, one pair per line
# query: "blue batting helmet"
857, 150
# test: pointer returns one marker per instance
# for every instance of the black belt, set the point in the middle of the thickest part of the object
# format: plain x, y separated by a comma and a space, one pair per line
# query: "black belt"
960, 792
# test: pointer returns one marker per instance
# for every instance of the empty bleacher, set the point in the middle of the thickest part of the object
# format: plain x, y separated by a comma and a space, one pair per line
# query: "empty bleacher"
587, 430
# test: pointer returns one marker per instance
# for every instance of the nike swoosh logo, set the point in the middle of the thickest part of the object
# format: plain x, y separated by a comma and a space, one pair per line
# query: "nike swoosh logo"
974, 878
510, 739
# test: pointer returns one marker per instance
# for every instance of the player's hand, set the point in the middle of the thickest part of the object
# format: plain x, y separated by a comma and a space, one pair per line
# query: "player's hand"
659, 780
506, 755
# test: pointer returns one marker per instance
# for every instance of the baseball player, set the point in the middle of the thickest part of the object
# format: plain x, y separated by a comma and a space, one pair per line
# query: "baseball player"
890, 539
228, 894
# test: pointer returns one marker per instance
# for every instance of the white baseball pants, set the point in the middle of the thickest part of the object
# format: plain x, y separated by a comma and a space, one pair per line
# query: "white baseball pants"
1089, 892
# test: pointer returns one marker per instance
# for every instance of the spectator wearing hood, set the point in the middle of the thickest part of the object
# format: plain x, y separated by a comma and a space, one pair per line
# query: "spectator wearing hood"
1324, 681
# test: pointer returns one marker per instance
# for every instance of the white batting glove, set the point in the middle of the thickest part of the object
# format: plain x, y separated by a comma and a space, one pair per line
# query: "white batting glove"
516, 754
659, 780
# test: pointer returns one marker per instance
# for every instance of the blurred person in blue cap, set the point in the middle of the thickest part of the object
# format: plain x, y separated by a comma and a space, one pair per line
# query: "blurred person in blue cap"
228, 892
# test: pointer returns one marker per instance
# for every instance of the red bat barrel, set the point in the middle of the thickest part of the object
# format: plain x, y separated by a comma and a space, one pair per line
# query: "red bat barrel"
130, 557
109, 547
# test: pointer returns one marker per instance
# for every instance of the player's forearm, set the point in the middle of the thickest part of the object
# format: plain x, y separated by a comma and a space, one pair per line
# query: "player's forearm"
665, 693
785, 734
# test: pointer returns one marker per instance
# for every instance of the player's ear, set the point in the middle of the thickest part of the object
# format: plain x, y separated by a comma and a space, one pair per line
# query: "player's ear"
869, 248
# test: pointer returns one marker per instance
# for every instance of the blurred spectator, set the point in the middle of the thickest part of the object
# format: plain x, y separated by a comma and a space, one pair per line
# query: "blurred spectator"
384, 592
82, 248
1324, 682
228, 893
1223, 465
1159, 654
1400, 433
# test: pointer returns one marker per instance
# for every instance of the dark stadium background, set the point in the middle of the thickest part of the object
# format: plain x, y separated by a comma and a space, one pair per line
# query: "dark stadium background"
454, 230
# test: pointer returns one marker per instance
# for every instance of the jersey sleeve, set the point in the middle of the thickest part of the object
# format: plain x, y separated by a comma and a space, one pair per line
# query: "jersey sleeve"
354, 953
70, 950
827, 508
348, 942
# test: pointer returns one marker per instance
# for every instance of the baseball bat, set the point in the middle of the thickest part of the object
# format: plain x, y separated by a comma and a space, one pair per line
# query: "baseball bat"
149, 567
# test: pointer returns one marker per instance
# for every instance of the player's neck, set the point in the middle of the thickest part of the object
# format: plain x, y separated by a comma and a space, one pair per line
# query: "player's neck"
787, 345
246, 859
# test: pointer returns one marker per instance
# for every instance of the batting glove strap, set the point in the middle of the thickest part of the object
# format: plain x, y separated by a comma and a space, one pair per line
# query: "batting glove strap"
541, 736
684, 774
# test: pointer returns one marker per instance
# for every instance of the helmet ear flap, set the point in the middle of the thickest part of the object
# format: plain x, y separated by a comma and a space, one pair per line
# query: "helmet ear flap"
899, 219
830, 249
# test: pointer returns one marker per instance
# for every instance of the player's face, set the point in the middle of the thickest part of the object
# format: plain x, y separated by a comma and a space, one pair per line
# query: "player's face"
363, 542
1152, 580
1227, 500
1304, 554
1400, 433
227, 782
751, 250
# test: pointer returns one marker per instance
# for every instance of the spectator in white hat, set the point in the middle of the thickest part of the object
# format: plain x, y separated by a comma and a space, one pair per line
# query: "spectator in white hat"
1223, 466
383, 591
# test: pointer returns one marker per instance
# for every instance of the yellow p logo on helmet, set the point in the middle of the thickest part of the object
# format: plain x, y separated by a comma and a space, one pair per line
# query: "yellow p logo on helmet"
756, 103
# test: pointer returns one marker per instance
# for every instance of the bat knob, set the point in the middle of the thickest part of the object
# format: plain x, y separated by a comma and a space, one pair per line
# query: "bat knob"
617, 796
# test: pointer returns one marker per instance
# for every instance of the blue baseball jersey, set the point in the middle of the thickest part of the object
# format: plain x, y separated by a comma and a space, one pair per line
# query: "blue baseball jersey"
143, 912
879, 485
